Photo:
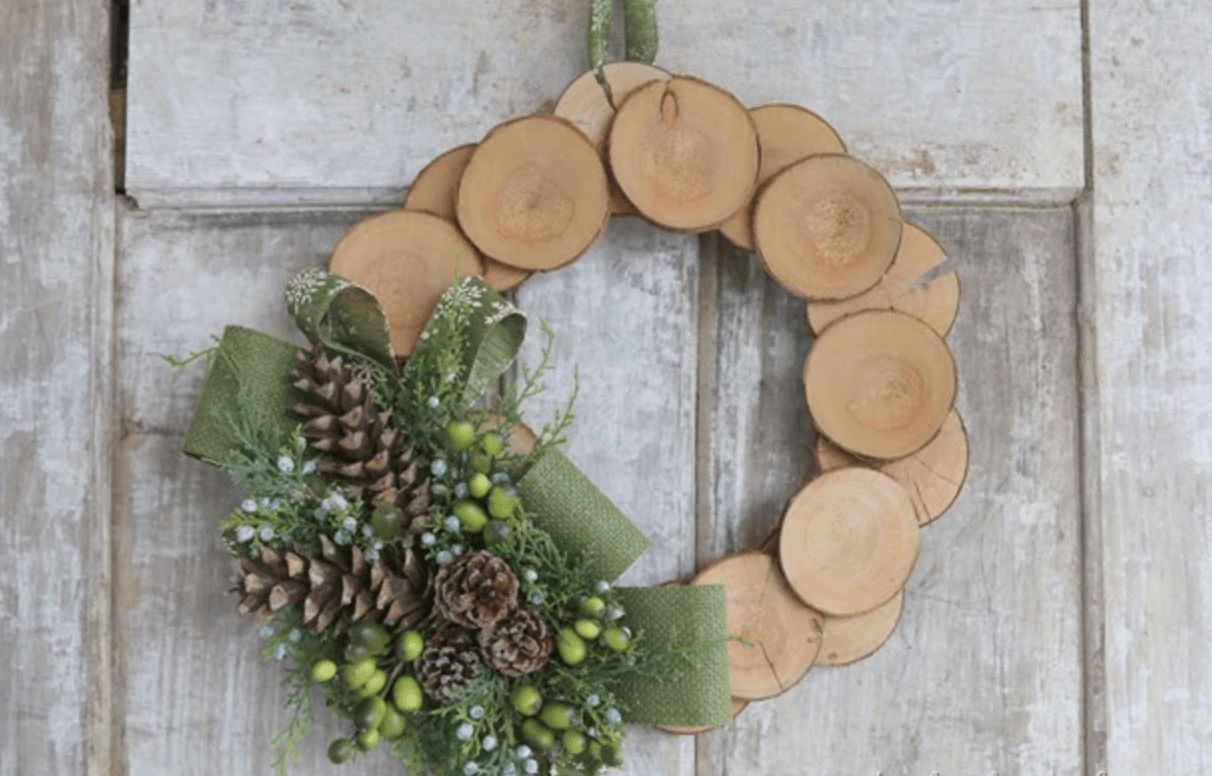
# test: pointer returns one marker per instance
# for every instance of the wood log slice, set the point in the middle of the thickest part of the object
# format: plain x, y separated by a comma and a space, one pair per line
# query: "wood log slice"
685, 153
786, 134
932, 476
591, 107
534, 194
776, 637
738, 706
850, 639
407, 259
879, 384
436, 190
827, 227
848, 542
936, 302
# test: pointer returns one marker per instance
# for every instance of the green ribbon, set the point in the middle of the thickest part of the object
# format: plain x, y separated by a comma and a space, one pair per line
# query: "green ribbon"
341, 314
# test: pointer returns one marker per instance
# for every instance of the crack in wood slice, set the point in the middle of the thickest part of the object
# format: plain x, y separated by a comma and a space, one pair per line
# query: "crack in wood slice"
936, 302
776, 637
827, 227
435, 190
534, 194
407, 260
591, 107
848, 541
851, 639
786, 134
933, 476
685, 153
879, 383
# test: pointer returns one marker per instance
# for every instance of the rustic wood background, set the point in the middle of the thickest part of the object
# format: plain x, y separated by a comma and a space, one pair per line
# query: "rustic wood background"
1057, 621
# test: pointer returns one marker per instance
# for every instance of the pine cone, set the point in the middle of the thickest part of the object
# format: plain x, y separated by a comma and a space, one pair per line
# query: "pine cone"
359, 445
339, 588
450, 661
519, 644
476, 590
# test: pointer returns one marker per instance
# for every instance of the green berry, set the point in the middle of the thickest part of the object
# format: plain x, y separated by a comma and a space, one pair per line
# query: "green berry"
323, 671
460, 435
368, 740
393, 725
479, 485
594, 608
406, 694
617, 639
386, 522
571, 646
526, 699
480, 462
470, 515
558, 716
574, 741
410, 645
341, 751
612, 755
502, 502
374, 685
587, 629
492, 444
369, 714
371, 635
537, 735
357, 673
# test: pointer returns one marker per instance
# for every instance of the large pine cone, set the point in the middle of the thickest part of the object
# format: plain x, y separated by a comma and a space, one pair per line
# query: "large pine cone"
520, 644
339, 588
476, 590
359, 445
450, 661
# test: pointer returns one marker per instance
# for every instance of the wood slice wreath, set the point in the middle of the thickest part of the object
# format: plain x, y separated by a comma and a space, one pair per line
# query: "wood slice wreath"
536, 192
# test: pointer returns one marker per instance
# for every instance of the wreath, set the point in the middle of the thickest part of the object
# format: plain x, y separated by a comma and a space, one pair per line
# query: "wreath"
442, 575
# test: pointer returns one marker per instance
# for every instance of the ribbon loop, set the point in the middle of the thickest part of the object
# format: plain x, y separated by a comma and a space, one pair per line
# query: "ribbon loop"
344, 316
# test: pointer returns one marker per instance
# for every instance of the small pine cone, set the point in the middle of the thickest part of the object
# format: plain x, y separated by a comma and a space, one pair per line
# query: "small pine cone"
476, 590
518, 645
450, 661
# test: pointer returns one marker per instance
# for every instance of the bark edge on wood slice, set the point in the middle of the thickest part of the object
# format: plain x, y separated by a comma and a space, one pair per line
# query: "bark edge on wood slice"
936, 302
407, 259
851, 639
782, 635
933, 476
685, 153
436, 190
827, 227
879, 384
534, 193
738, 706
848, 541
591, 107
786, 134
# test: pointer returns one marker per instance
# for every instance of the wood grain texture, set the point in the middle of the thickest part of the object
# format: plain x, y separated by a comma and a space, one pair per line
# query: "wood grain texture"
1150, 449
56, 260
625, 317
983, 674
319, 101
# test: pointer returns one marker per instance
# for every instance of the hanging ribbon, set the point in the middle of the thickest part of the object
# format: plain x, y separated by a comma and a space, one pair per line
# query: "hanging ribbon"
641, 39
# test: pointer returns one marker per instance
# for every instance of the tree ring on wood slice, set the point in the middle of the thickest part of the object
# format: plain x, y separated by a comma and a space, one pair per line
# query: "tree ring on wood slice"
738, 706
786, 134
775, 638
407, 259
827, 227
685, 153
850, 639
932, 476
436, 190
936, 303
591, 107
534, 194
848, 542
879, 384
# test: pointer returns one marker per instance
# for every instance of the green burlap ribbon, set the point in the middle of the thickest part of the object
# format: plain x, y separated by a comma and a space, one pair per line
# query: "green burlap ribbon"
249, 386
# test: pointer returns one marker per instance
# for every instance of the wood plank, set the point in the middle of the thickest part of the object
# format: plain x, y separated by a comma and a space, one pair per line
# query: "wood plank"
320, 102
56, 251
1150, 437
624, 316
984, 673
